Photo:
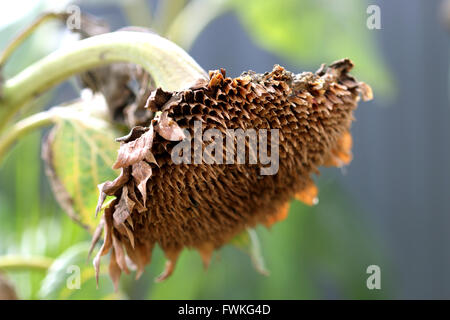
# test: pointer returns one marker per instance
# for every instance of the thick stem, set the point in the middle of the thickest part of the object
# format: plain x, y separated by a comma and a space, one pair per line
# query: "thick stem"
18, 263
23, 127
169, 66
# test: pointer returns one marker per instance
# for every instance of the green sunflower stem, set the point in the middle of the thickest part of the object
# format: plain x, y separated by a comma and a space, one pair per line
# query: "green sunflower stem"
19, 263
23, 127
169, 66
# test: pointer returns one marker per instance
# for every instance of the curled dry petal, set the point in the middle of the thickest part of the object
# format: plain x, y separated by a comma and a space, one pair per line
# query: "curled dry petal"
141, 172
129, 234
206, 250
172, 257
135, 133
140, 255
96, 236
139, 205
366, 91
123, 209
114, 270
101, 199
107, 242
134, 151
120, 254
157, 98
169, 129
110, 187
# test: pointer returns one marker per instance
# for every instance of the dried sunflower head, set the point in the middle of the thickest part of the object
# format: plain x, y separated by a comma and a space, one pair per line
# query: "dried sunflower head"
203, 205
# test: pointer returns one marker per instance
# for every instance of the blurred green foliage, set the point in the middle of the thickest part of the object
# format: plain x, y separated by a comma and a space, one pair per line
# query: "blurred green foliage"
319, 252
311, 32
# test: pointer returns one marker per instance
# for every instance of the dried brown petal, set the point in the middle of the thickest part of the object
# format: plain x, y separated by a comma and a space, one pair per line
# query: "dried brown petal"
110, 188
157, 99
169, 129
107, 244
366, 91
172, 257
123, 209
96, 236
206, 250
119, 254
114, 270
134, 151
141, 172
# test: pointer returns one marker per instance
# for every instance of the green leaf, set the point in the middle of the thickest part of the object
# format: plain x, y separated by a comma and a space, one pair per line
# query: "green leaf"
315, 32
79, 153
248, 242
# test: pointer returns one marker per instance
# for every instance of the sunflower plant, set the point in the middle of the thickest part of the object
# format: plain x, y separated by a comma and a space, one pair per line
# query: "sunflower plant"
109, 154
